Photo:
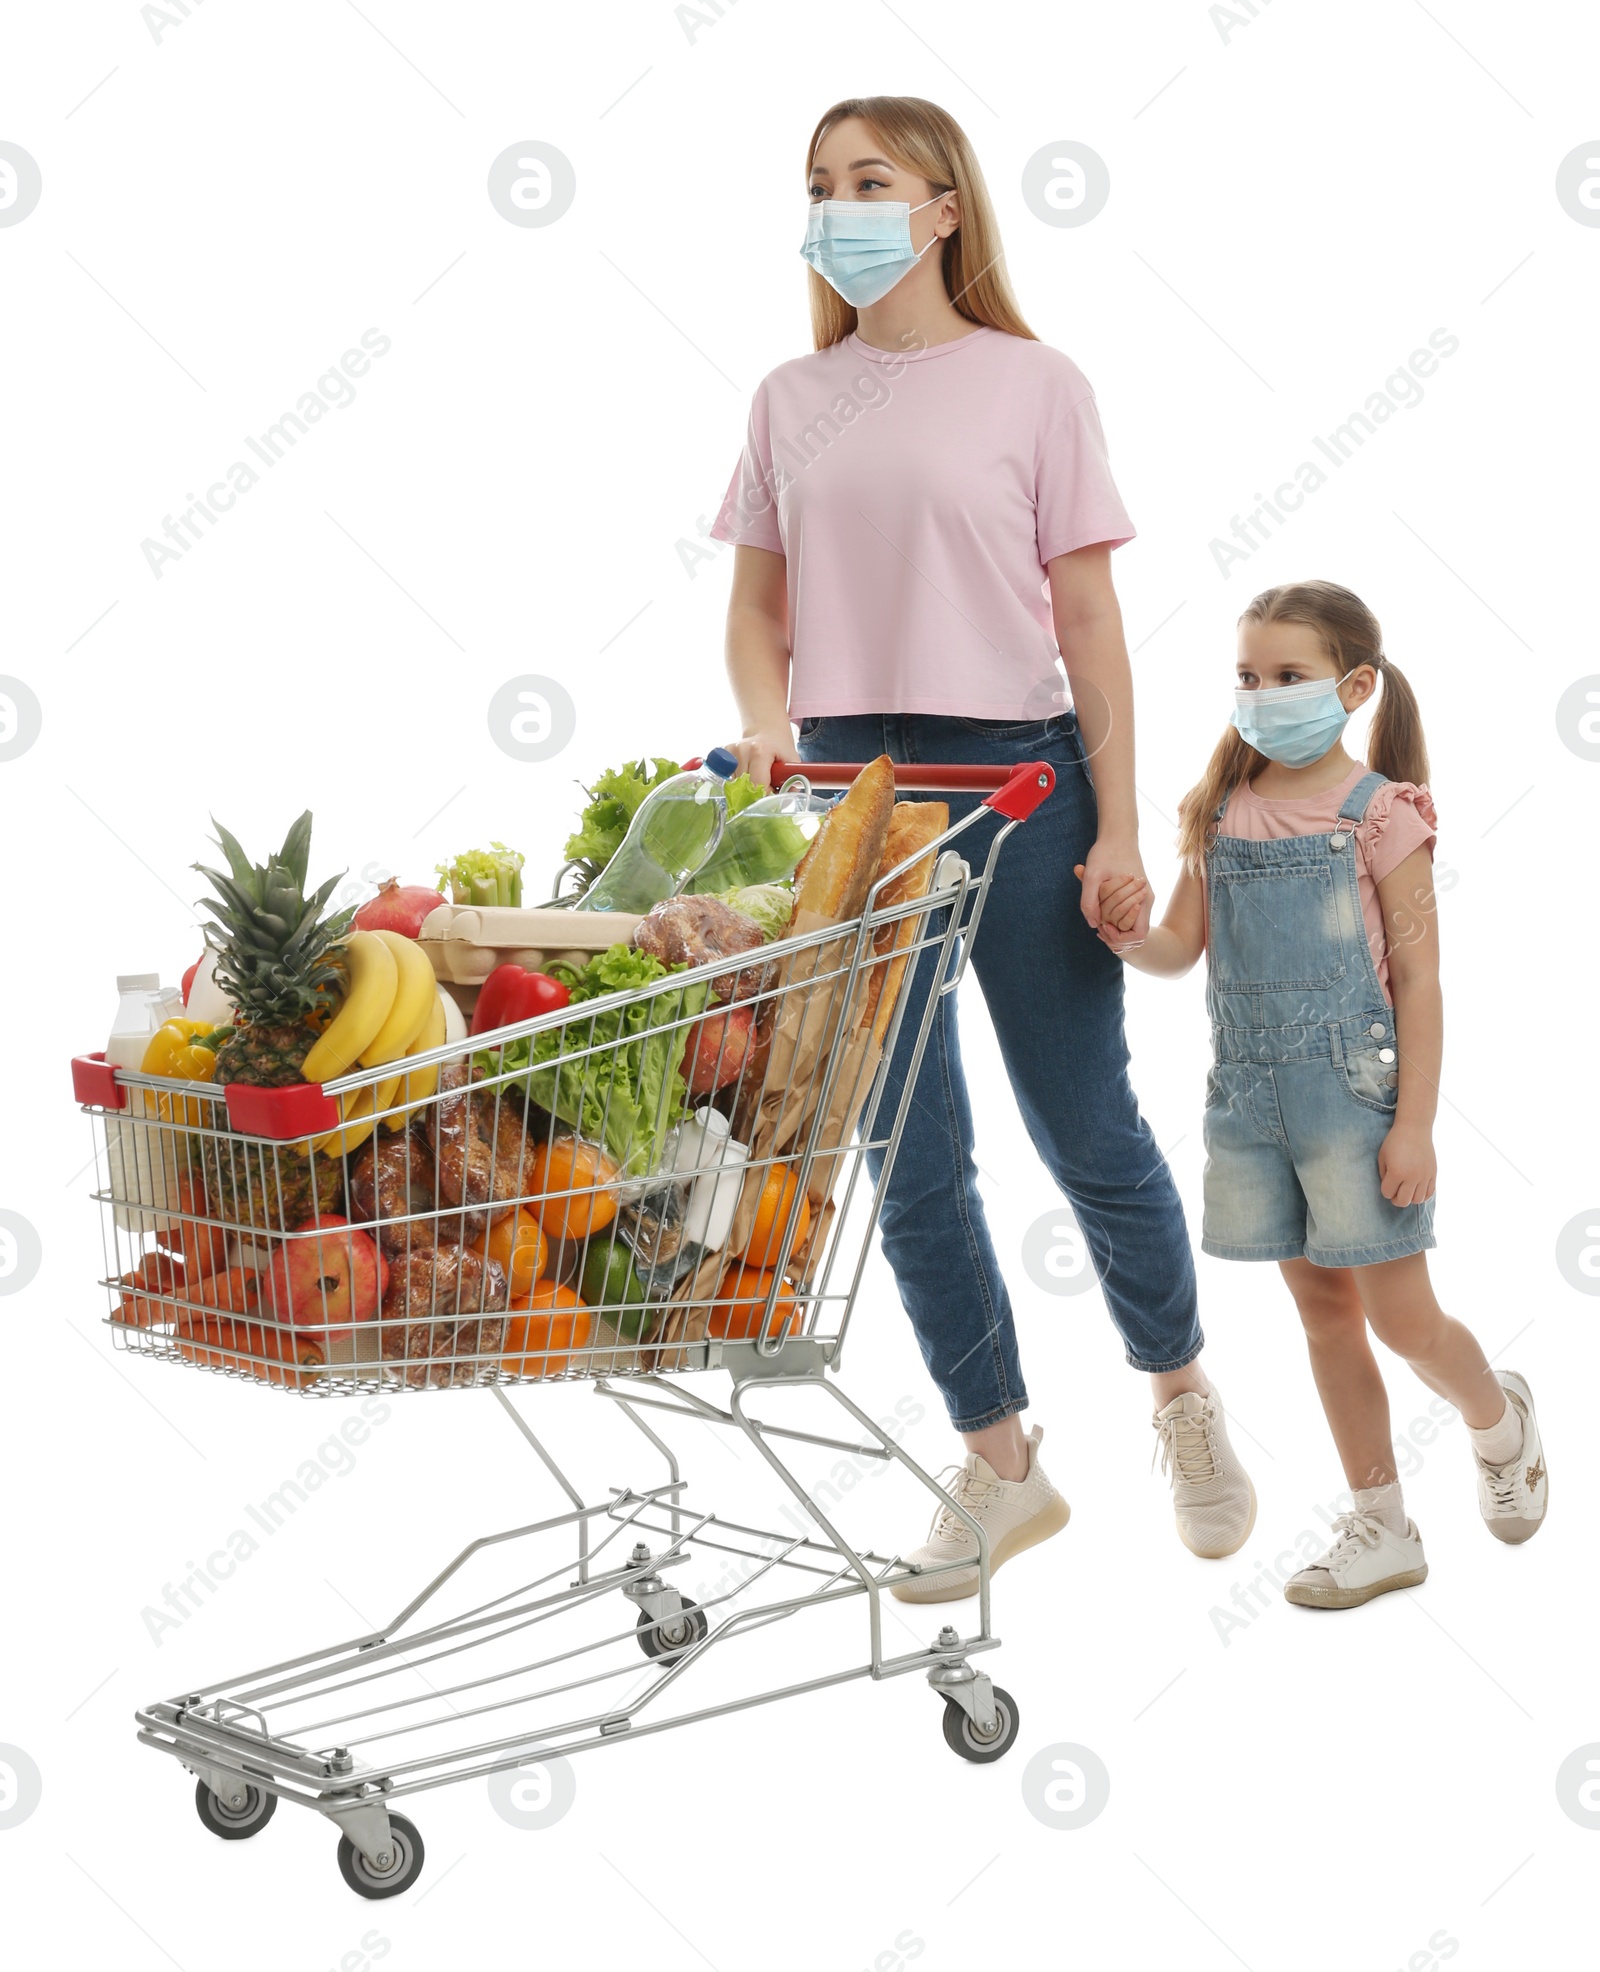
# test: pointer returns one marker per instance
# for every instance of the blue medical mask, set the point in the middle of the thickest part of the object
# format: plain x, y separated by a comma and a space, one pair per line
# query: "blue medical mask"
862, 247
1292, 724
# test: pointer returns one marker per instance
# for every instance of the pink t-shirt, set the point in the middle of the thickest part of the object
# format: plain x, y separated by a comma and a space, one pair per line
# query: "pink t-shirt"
1400, 818
916, 497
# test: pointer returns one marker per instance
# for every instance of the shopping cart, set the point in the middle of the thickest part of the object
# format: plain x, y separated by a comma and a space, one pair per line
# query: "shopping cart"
208, 1264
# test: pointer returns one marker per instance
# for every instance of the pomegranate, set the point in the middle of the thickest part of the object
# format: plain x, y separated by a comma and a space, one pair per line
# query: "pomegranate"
717, 1049
398, 907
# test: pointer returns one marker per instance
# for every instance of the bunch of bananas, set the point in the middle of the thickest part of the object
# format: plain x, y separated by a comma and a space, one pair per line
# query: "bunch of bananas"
392, 1009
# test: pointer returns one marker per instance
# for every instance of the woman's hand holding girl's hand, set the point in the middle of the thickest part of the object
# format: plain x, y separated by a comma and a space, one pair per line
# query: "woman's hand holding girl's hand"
1115, 902
1407, 1166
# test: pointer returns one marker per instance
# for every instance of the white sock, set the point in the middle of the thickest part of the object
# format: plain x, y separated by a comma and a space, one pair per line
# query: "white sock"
1383, 1504
1499, 1443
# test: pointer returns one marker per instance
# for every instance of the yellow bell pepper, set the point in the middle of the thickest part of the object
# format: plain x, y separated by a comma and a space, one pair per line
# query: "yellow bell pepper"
172, 1051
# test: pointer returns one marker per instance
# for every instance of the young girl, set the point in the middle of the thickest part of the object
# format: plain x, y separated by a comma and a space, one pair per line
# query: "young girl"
1307, 884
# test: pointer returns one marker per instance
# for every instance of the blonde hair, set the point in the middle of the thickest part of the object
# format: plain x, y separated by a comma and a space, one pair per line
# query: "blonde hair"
921, 137
1351, 636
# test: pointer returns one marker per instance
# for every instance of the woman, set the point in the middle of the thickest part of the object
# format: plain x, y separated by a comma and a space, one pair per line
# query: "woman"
904, 495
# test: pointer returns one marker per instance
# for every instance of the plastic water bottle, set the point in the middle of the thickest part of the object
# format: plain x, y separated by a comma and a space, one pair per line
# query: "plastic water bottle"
677, 827
765, 841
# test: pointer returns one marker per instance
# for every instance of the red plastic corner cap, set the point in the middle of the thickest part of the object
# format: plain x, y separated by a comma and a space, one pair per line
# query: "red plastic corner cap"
1027, 787
284, 1115
94, 1082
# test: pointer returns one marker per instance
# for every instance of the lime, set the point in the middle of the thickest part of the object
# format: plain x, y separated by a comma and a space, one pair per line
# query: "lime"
611, 1287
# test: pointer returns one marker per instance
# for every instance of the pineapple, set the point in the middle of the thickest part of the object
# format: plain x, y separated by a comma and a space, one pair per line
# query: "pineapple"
280, 962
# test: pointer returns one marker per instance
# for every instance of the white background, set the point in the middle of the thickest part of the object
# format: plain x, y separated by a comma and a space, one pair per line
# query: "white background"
1297, 201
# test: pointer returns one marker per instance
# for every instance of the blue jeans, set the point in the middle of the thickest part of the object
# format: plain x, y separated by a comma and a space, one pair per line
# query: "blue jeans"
1054, 994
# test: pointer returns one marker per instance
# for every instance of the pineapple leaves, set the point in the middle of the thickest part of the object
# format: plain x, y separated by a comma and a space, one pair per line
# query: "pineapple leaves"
277, 957
295, 854
244, 873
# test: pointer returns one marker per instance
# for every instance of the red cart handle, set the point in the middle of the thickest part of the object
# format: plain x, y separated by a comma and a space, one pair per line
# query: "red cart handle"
284, 1115
1010, 791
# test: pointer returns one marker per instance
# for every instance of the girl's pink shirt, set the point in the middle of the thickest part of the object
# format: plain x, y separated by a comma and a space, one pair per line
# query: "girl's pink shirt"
916, 497
1400, 818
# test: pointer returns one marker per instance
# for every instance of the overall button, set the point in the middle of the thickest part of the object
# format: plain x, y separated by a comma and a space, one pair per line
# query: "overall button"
1391, 1080
1376, 1030
1386, 1054
1336, 841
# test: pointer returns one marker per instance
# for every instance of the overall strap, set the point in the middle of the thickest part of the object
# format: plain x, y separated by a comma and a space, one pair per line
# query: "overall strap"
1214, 826
1360, 797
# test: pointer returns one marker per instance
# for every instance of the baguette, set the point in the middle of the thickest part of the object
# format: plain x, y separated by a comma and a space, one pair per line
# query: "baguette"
837, 871
912, 826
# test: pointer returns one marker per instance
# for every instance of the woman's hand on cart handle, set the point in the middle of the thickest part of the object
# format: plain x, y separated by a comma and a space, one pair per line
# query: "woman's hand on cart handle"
757, 751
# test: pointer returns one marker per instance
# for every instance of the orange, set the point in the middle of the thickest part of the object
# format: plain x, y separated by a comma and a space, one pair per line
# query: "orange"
740, 1309
549, 1319
584, 1174
774, 1209
518, 1246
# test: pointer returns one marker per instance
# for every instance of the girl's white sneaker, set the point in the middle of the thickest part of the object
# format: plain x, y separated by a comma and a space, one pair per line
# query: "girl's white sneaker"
1366, 1559
1512, 1497
1014, 1513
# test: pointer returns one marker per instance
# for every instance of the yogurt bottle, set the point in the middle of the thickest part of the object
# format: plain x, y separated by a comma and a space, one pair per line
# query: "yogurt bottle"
136, 1160
706, 1146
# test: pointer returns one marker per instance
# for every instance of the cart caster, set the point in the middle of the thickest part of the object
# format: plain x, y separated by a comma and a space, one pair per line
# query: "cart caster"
404, 1868
256, 1807
673, 1634
962, 1735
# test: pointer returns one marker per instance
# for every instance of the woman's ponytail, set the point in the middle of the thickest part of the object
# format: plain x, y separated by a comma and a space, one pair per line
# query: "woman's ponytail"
1395, 746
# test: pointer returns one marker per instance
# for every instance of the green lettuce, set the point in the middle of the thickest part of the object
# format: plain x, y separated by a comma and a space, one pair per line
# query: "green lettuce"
624, 1090
768, 905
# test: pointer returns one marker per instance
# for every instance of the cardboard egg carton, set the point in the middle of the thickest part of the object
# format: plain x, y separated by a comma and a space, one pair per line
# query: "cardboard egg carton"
465, 942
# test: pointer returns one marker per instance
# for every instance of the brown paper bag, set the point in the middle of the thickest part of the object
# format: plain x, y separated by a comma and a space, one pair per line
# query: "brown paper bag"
810, 1024
807, 1029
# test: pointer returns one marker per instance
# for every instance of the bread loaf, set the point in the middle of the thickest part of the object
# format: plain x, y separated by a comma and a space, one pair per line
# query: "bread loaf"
837, 871
913, 825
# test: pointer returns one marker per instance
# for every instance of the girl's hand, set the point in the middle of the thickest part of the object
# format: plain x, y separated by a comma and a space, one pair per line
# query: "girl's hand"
1123, 900
1407, 1166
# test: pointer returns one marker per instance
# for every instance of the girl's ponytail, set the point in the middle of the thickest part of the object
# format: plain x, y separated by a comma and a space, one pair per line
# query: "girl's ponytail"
1395, 747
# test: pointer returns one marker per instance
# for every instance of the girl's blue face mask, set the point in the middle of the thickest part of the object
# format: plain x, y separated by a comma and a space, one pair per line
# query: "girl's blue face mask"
1292, 724
862, 247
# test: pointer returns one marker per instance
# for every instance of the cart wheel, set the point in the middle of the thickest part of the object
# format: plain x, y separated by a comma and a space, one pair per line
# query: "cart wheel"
401, 1873
672, 1635
234, 1824
963, 1737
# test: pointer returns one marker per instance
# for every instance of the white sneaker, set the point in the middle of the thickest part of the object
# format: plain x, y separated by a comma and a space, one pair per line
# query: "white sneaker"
1512, 1497
1014, 1513
1212, 1496
1365, 1560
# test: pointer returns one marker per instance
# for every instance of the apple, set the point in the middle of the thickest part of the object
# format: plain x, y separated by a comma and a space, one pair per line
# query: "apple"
334, 1279
717, 1049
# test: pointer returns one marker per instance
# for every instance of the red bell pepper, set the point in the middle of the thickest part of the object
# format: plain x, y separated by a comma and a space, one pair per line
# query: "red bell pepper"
512, 993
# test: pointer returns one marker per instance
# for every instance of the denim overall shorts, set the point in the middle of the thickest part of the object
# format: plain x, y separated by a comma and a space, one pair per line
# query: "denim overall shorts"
1303, 1087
